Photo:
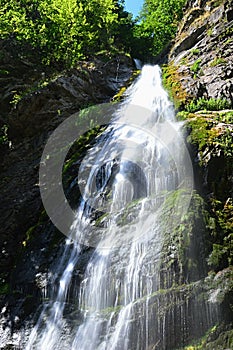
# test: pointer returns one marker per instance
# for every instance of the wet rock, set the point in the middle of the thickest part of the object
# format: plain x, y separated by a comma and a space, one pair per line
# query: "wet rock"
35, 99
203, 51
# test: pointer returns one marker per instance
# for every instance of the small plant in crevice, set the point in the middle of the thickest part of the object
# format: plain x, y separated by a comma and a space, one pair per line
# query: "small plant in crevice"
195, 68
211, 104
217, 61
195, 51
210, 31
19, 95
4, 135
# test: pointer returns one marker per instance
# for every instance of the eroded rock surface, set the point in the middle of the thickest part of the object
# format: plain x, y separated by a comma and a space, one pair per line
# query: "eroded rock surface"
35, 99
203, 50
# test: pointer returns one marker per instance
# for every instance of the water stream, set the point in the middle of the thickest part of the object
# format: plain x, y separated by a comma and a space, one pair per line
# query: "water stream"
137, 164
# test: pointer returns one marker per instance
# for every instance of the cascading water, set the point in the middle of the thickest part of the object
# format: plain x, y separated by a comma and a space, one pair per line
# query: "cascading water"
136, 165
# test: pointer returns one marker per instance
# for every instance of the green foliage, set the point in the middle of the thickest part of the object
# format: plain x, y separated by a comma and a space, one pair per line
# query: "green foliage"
217, 255
19, 95
4, 134
211, 104
158, 23
63, 30
4, 288
195, 68
215, 338
210, 31
201, 133
172, 83
217, 61
69, 30
195, 51
209, 133
123, 29
222, 252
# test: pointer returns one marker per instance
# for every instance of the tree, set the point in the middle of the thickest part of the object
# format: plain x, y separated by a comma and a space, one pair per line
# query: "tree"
64, 30
159, 21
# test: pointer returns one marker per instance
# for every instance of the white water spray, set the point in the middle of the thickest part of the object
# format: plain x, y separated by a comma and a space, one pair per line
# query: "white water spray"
143, 162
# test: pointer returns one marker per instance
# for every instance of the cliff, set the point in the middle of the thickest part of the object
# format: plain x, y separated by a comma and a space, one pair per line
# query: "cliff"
35, 99
198, 76
196, 264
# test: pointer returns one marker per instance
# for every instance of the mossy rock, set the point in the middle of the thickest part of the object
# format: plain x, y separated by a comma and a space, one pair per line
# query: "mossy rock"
218, 337
121, 94
172, 83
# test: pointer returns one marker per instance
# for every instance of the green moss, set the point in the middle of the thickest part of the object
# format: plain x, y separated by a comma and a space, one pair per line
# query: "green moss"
120, 95
210, 31
222, 233
19, 95
4, 134
4, 72
213, 340
211, 132
179, 228
30, 233
201, 131
172, 83
110, 310
195, 51
207, 129
229, 41
4, 288
101, 219
81, 145
128, 210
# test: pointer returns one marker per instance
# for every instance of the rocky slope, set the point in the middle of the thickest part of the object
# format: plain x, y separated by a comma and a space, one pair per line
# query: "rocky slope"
35, 99
198, 76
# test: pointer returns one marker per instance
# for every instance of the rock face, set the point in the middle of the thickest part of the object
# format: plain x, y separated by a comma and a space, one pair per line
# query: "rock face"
203, 50
35, 99
199, 78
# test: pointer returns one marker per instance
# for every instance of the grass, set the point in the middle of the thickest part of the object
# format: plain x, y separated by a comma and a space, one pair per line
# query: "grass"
217, 61
211, 104
195, 68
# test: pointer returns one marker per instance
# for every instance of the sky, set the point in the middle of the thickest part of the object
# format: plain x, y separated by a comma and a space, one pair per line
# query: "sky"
133, 6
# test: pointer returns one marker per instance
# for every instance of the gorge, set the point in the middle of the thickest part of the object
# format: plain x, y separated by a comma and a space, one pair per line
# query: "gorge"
171, 286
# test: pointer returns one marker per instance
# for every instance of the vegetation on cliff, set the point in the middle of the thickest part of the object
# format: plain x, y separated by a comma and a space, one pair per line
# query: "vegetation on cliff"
159, 22
197, 77
70, 30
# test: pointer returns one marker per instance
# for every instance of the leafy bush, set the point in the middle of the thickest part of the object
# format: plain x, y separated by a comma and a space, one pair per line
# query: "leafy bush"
70, 30
211, 104
62, 30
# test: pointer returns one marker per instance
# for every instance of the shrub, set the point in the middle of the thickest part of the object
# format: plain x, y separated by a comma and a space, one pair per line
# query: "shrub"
195, 68
211, 104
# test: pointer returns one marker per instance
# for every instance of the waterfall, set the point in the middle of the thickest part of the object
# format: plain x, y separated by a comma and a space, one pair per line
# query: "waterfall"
138, 163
